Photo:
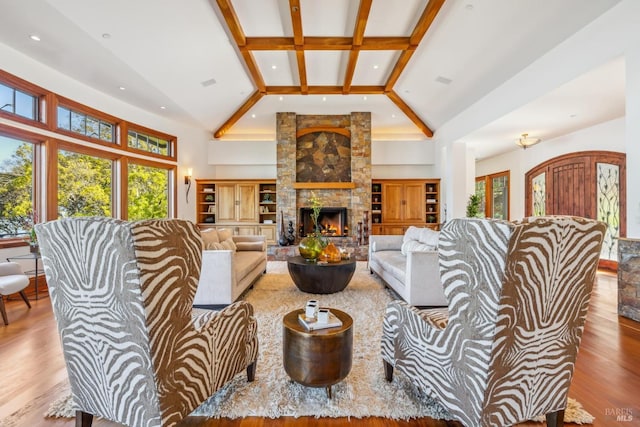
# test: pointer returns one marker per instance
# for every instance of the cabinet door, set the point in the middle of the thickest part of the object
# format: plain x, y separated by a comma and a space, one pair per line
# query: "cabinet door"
226, 203
268, 231
392, 198
244, 230
414, 202
247, 197
394, 229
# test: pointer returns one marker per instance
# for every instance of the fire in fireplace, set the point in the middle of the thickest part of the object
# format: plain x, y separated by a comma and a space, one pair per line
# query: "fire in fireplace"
331, 221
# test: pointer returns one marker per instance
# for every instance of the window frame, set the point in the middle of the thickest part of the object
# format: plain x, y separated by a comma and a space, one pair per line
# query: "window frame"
49, 139
41, 95
488, 186
88, 112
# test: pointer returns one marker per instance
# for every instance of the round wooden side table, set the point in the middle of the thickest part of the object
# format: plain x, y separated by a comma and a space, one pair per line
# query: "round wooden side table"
320, 278
319, 358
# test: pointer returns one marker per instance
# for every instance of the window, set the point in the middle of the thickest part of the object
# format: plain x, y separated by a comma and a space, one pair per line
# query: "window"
150, 143
493, 191
16, 186
17, 102
86, 125
84, 185
148, 192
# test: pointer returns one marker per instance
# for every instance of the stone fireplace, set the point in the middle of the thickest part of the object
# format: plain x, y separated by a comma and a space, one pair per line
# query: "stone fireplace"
332, 222
354, 196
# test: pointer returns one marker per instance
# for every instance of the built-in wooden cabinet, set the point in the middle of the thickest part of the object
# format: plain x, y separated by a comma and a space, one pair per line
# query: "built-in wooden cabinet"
398, 204
245, 207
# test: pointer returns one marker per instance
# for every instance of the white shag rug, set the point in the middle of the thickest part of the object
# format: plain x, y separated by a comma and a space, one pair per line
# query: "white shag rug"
364, 393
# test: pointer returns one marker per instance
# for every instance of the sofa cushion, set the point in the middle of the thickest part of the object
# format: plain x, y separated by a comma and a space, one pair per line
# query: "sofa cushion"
412, 233
394, 262
245, 261
250, 246
209, 237
228, 244
224, 234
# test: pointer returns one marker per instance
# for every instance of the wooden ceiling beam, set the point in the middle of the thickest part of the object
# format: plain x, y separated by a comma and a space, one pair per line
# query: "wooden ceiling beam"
426, 19
302, 71
233, 23
244, 108
324, 90
358, 36
254, 71
326, 43
410, 113
298, 41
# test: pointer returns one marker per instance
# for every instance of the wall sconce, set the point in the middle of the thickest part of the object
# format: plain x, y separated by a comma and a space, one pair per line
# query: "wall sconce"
187, 182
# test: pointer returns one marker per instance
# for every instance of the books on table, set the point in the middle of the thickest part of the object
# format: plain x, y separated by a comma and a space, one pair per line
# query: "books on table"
312, 324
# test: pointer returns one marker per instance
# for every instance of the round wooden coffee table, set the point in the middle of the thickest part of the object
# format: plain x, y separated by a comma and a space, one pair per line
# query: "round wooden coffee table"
319, 358
320, 278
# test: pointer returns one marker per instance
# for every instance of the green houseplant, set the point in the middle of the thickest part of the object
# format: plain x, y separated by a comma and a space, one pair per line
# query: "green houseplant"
473, 206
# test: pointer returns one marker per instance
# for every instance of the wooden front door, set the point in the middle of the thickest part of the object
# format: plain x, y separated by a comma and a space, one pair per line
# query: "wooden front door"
571, 188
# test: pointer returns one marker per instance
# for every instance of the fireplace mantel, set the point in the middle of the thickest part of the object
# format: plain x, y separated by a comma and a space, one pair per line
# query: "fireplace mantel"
320, 185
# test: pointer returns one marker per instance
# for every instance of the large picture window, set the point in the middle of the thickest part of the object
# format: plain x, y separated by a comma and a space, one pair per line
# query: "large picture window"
84, 185
16, 186
148, 192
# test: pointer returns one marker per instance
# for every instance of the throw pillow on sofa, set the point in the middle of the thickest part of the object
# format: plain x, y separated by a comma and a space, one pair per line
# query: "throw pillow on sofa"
209, 238
419, 239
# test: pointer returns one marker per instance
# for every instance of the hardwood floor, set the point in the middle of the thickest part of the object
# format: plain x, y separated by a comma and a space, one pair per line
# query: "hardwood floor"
606, 381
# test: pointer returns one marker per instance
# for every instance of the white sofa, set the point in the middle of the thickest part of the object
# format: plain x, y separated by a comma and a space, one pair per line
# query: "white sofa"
229, 267
409, 265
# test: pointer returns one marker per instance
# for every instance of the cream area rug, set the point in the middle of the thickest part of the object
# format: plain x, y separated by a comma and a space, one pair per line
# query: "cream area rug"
363, 393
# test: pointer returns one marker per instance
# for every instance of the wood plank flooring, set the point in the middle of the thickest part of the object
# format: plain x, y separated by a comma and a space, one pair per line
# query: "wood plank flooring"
606, 381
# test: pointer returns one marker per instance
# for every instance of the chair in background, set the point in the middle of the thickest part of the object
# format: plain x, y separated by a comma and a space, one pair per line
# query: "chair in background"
122, 293
505, 349
12, 280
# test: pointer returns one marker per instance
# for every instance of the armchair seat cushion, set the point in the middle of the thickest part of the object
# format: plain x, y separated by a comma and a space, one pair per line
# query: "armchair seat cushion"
13, 283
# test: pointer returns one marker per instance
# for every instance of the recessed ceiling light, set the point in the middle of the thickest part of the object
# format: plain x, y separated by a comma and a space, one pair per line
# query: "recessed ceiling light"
324, 98
280, 98
122, 88
393, 116
34, 38
273, 67
253, 116
375, 67
162, 107
208, 82
364, 97
106, 35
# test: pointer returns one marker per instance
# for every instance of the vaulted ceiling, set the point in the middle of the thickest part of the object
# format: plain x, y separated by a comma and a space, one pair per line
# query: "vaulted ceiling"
227, 66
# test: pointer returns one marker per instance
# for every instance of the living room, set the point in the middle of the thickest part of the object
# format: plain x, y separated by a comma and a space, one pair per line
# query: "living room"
468, 142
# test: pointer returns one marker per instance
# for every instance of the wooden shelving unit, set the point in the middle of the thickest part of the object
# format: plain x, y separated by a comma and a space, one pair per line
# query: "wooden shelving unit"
245, 207
268, 203
397, 204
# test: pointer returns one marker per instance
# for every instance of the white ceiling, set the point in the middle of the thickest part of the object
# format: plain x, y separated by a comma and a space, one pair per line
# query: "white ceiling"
162, 51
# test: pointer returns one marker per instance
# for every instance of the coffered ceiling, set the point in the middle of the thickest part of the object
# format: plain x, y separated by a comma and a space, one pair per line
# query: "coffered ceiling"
227, 66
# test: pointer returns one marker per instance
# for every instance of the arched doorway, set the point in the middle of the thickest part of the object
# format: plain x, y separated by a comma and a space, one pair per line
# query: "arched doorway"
590, 184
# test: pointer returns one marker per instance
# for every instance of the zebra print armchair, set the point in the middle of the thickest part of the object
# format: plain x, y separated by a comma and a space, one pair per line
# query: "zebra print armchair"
504, 350
122, 293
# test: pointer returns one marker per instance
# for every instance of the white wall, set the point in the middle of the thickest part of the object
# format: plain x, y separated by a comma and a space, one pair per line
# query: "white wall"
608, 136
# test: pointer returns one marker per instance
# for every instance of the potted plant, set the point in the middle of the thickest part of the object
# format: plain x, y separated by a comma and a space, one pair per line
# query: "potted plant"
473, 206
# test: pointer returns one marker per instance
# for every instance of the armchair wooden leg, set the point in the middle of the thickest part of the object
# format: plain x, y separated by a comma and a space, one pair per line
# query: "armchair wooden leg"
24, 298
251, 372
83, 419
555, 419
388, 371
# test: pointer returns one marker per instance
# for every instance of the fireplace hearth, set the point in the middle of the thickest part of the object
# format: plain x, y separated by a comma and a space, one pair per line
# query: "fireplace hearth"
332, 222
